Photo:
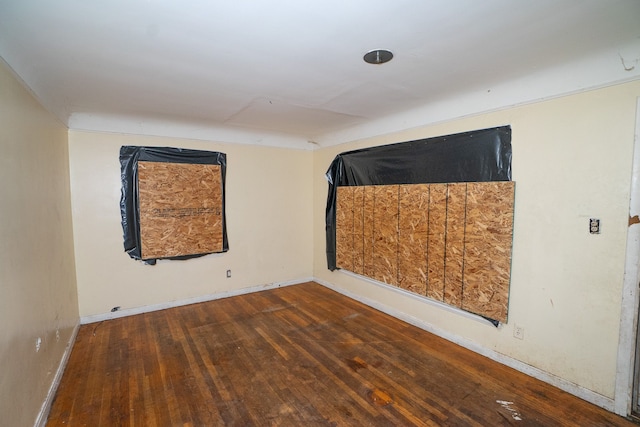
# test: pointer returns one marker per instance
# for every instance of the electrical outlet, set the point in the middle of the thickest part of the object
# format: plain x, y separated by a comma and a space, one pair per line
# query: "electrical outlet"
57, 335
228, 273
38, 344
518, 332
594, 226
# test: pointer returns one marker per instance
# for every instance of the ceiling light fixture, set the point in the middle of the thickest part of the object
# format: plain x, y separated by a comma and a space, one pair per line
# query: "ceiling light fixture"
378, 56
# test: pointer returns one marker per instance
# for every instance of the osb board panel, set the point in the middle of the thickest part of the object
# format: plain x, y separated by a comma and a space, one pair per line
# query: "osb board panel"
358, 230
488, 242
450, 242
412, 237
180, 209
368, 204
413, 208
344, 228
454, 246
385, 234
436, 241
490, 207
412, 262
456, 205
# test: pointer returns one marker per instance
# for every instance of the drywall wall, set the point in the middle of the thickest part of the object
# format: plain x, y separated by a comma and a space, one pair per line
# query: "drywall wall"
268, 210
38, 298
572, 160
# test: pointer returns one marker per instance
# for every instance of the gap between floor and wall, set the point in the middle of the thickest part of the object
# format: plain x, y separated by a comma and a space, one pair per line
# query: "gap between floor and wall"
41, 419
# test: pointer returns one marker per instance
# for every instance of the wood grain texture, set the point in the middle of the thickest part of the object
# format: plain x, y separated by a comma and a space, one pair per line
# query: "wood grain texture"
344, 228
436, 241
367, 230
412, 237
385, 234
180, 209
358, 230
454, 246
295, 356
426, 239
488, 242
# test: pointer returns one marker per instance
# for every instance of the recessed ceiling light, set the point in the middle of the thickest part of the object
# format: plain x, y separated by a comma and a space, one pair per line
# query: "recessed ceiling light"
378, 56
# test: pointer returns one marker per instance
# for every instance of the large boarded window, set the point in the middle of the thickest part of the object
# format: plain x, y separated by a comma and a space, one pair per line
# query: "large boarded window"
431, 216
447, 242
172, 202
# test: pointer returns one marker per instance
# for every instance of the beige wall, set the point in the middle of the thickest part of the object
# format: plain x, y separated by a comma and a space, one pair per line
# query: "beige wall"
572, 160
269, 213
37, 276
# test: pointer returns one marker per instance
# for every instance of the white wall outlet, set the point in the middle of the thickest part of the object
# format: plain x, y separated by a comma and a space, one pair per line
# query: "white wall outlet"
594, 226
228, 273
38, 344
518, 332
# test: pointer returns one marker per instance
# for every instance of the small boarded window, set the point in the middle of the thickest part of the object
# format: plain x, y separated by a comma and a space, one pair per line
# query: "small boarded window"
172, 202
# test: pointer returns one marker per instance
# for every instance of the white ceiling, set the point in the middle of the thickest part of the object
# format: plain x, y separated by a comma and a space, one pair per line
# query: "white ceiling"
286, 72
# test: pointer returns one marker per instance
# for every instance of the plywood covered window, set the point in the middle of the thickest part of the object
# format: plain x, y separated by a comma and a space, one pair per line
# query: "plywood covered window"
172, 202
433, 217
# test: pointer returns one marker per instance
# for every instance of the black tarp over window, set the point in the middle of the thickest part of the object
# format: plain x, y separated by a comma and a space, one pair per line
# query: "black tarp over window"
476, 156
129, 203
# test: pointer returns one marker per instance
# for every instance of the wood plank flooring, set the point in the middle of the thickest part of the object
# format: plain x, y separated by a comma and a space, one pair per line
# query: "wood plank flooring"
295, 356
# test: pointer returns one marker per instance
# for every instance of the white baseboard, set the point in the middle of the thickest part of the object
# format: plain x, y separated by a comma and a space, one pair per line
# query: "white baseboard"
562, 384
41, 419
178, 303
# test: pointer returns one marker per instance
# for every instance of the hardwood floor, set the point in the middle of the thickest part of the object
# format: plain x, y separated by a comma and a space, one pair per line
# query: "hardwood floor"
295, 356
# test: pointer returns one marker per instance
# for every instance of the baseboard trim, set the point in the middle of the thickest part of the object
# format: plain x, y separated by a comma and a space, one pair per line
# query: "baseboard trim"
41, 419
178, 303
568, 386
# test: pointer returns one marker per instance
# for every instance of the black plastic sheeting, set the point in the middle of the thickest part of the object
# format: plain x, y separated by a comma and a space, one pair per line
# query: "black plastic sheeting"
476, 156
129, 203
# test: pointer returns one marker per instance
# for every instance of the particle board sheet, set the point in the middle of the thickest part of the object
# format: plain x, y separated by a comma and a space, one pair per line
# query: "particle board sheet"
385, 234
488, 242
412, 237
367, 230
454, 246
180, 209
436, 241
448, 242
344, 228
358, 230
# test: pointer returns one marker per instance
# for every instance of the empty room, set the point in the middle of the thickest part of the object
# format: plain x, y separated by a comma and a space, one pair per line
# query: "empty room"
335, 213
